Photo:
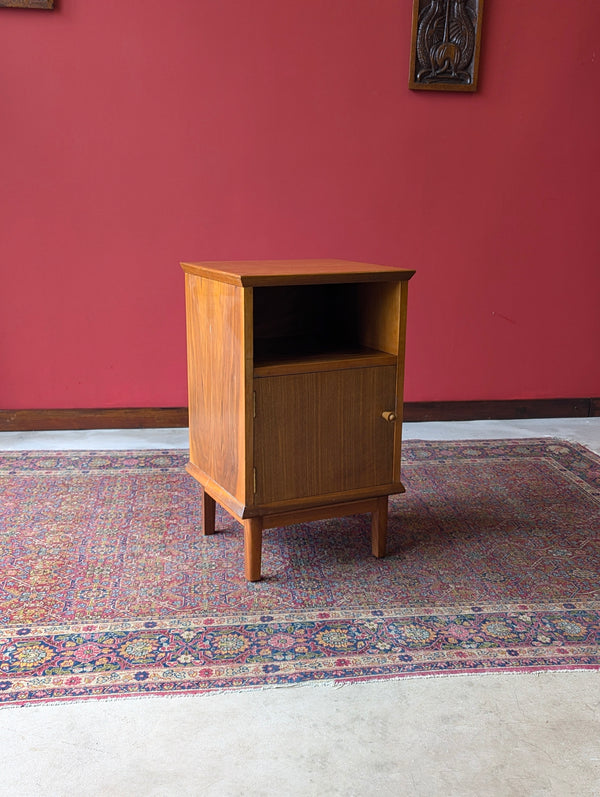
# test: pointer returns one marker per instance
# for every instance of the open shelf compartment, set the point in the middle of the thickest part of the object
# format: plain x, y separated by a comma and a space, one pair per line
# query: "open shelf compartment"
300, 328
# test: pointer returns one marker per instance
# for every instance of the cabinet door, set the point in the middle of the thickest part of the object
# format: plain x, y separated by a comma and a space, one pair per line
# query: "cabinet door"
321, 433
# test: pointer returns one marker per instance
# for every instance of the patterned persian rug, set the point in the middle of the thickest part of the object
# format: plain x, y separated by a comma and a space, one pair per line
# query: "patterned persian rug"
107, 588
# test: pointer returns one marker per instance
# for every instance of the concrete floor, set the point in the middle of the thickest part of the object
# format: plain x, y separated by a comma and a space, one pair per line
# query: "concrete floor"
483, 735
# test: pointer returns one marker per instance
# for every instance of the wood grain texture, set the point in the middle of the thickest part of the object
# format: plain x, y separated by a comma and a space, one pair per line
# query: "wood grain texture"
252, 548
319, 513
294, 272
379, 313
208, 514
326, 499
379, 523
359, 357
217, 329
221, 496
298, 328
401, 332
321, 433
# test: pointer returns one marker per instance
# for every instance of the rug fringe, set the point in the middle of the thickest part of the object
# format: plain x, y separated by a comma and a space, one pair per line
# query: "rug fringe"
330, 684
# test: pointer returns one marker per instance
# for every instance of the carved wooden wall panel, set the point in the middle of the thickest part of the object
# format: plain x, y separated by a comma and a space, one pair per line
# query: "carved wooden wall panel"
27, 4
446, 36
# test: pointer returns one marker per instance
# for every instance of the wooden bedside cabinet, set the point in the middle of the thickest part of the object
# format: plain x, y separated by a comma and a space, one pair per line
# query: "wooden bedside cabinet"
295, 375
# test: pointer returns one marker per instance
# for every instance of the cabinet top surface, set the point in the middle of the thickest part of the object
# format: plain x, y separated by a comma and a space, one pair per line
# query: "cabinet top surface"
294, 272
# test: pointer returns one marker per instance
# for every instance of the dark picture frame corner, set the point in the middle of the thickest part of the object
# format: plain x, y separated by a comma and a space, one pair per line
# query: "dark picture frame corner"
43, 4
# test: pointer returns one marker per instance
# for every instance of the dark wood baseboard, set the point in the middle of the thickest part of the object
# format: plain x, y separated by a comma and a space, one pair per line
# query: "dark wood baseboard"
176, 417
501, 410
118, 418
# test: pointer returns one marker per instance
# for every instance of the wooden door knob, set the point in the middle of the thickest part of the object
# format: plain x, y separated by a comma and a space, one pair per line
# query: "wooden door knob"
390, 417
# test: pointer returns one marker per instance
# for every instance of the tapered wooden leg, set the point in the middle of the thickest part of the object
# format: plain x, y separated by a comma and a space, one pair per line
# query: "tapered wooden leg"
253, 528
208, 514
379, 521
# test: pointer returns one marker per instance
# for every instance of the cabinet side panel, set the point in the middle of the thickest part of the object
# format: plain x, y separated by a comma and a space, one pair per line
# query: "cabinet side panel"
401, 326
379, 311
217, 390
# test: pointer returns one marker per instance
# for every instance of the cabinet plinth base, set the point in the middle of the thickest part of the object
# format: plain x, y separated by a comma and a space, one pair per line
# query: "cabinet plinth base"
254, 526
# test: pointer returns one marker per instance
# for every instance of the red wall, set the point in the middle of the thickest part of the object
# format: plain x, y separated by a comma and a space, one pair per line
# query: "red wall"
137, 134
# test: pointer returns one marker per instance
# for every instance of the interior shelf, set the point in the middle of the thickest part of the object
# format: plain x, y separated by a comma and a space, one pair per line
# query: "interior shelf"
337, 359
